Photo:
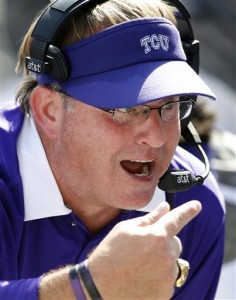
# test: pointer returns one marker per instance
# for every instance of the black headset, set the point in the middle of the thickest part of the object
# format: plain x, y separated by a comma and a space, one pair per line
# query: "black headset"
45, 57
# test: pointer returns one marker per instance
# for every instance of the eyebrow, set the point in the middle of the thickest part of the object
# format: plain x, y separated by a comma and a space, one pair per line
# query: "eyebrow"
163, 101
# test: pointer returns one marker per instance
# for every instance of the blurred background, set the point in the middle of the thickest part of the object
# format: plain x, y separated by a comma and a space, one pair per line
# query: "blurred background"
214, 24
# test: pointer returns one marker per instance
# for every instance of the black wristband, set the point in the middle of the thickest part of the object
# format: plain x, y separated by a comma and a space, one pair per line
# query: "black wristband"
75, 283
88, 281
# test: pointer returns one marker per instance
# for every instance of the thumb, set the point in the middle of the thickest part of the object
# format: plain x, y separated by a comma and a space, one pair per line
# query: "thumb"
154, 215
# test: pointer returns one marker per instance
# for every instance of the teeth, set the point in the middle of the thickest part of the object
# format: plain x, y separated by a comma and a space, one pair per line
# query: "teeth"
142, 161
145, 171
140, 168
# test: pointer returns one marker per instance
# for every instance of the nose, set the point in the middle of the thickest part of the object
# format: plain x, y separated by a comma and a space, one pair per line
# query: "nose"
152, 131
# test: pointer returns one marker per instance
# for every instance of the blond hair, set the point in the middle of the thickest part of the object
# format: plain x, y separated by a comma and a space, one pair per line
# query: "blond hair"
86, 23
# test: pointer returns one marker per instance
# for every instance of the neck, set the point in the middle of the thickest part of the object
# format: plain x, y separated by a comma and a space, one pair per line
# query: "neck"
95, 218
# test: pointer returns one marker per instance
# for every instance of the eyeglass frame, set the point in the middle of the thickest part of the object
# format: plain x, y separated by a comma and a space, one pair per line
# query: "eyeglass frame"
159, 109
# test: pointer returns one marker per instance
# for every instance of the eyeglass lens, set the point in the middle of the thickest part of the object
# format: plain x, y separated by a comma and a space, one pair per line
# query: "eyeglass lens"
169, 112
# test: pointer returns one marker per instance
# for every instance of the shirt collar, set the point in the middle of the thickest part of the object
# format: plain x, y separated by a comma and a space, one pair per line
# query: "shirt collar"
42, 198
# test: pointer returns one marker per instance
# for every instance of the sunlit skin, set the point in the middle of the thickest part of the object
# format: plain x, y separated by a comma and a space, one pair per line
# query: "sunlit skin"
85, 147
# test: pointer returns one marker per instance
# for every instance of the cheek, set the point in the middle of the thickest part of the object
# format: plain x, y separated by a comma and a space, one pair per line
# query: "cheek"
172, 137
92, 143
175, 134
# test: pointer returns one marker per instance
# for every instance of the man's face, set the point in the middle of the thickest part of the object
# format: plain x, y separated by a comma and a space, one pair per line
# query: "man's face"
109, 165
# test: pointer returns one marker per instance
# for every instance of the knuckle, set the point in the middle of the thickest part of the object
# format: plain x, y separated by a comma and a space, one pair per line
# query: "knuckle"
178, 244
178, 219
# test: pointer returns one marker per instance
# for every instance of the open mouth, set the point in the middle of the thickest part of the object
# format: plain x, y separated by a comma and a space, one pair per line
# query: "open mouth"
140, 168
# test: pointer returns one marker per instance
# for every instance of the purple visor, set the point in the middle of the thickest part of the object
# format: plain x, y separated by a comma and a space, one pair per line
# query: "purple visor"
129, 64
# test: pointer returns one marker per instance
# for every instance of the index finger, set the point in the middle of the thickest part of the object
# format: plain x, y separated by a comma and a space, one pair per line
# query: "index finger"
176, 219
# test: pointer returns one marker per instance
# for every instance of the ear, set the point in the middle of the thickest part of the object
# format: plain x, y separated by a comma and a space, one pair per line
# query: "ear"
47, 109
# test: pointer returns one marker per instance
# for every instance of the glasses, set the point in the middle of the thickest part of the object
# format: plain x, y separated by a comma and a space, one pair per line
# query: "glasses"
171, 111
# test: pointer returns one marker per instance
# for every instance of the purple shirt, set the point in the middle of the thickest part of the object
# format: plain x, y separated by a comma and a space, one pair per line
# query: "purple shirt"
30, 248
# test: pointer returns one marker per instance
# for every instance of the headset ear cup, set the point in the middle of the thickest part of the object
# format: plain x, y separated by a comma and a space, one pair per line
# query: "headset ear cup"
60, 66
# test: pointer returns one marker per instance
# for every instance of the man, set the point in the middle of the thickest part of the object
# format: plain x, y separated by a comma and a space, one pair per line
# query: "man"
90, 152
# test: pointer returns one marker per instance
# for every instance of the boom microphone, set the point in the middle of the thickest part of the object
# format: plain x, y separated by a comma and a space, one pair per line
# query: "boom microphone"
182, 180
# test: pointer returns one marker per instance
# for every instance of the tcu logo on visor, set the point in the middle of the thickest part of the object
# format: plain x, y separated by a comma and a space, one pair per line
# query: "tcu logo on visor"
155, 42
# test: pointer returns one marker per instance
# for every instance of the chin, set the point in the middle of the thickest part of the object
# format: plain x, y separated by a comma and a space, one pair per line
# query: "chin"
137, 202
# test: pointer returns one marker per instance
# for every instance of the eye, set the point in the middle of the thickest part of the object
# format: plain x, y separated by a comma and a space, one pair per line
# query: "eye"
145, 111
132, 111
169, 106
125, 110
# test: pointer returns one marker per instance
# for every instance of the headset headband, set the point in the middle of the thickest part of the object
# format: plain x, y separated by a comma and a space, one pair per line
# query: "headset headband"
190, 45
